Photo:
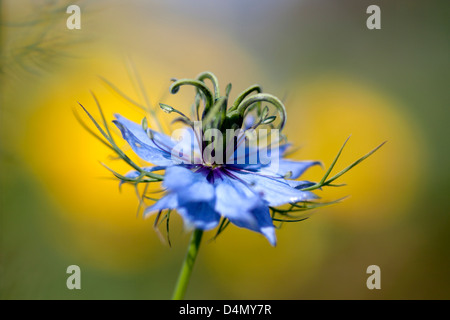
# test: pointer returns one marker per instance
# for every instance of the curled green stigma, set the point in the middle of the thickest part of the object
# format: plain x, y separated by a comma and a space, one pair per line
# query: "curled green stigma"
216, 113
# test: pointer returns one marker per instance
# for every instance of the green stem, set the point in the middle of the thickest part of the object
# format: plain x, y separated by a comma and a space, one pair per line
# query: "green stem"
188, 264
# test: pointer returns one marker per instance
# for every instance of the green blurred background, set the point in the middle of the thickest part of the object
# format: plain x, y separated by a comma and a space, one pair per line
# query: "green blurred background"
60, 207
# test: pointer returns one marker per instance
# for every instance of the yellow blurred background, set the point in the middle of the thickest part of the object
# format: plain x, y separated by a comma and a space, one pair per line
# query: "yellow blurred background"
60, 206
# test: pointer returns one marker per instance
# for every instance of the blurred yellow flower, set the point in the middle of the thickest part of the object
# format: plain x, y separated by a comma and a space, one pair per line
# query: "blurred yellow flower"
330, 109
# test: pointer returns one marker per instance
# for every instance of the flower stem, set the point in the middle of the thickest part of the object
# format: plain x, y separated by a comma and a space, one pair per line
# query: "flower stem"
188, 264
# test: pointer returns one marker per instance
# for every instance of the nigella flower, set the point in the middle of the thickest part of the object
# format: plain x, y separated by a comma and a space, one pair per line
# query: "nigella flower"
202, 193
215, 173
221, 169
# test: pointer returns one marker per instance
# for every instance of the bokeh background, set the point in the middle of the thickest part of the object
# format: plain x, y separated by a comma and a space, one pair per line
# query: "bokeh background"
60, 206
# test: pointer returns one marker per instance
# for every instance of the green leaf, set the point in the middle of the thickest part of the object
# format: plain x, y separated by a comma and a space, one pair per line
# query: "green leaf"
265, 112
209, 75
213, 113
325, 182
223, 224
199, 85
353, 164
269, 120
166, 108
144, 124
255, 88
228, 90
334, 162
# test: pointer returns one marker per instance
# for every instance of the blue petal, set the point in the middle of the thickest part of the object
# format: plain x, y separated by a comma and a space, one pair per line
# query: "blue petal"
195, 197
263, 223
235, 200
143, 146
249, 121
199, 215
169, 201
275, 191
179, 177
196, 214
131, 175
190, 186
300, 184
137, 130
248, 158
153, 168
198, 191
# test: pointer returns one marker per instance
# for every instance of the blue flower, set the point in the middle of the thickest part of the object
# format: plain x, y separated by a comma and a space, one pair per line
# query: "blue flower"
220, 169
236, 180
203, 193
